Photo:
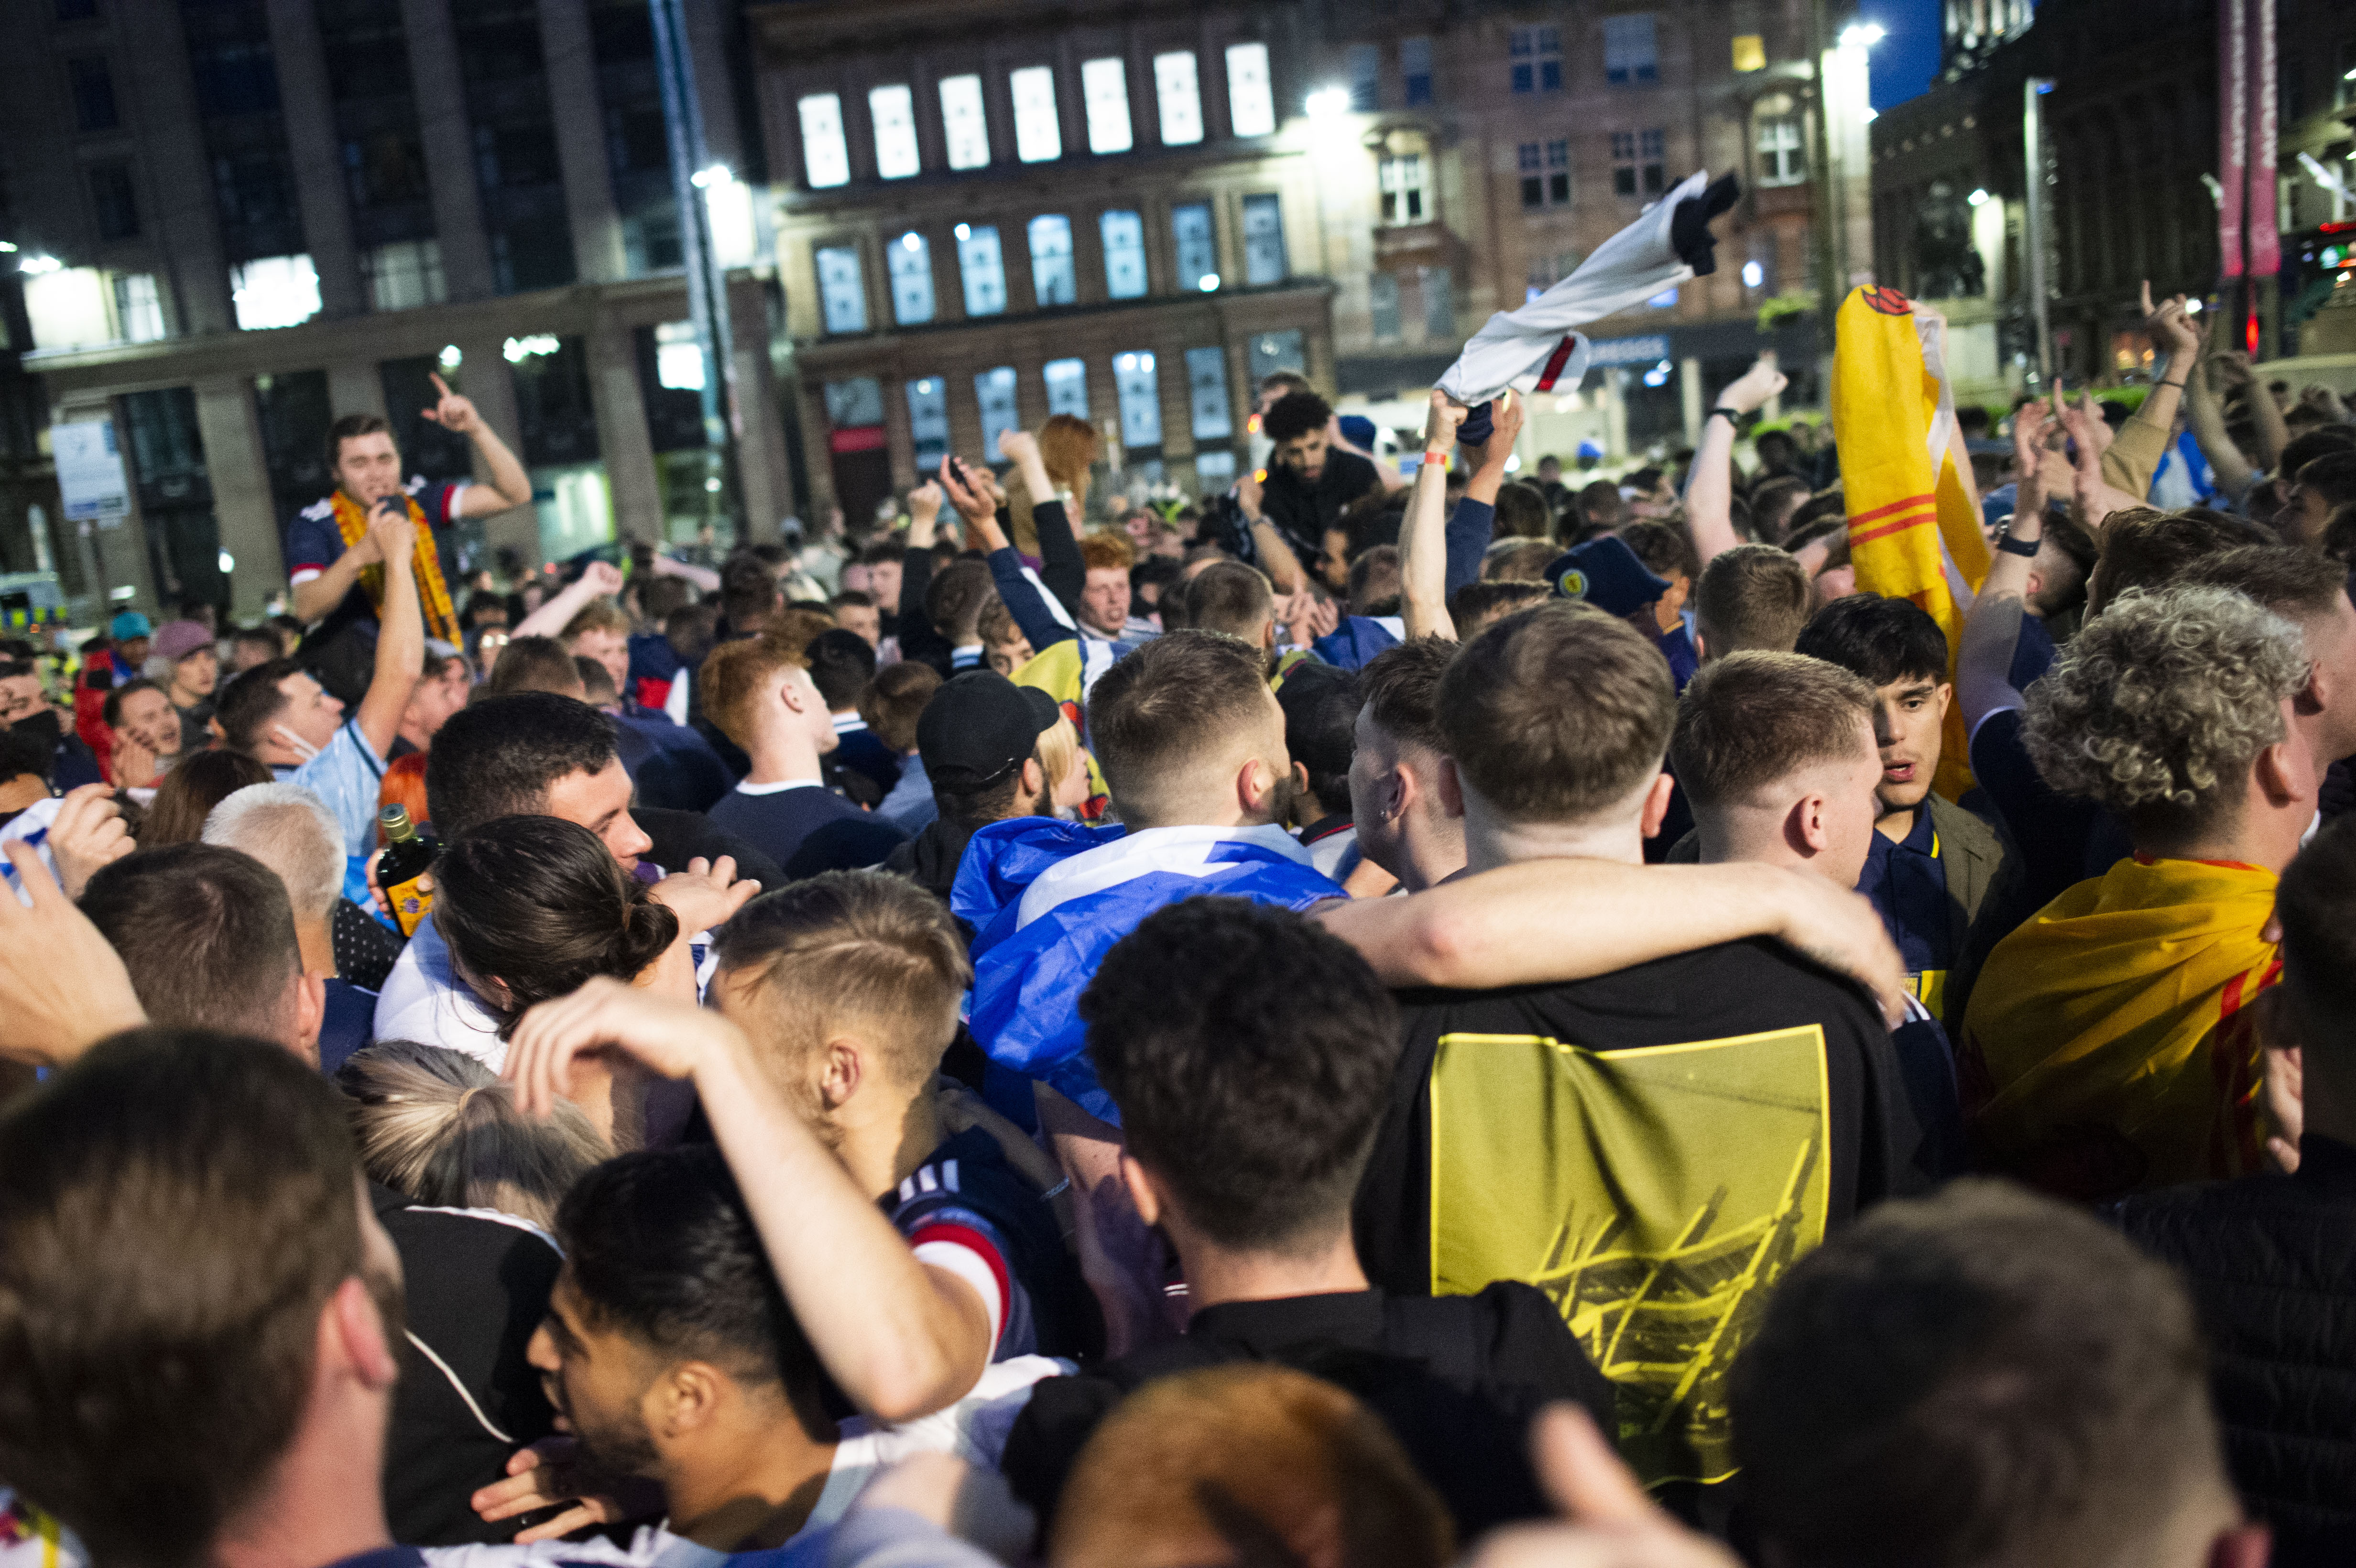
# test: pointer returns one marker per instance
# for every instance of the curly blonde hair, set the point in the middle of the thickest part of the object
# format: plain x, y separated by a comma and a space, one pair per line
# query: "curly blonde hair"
2163, 703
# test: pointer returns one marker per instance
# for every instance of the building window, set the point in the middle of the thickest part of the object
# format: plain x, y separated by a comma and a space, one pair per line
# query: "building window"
1038, 138
94, 94
911, 266
841, 289
110, 198
679, 359
1782, 159
1251, 100
1535, 54
1750, 52
1545, 169
1631, 54
1415, 72
1050, 259
1103, 91
826, 157
1402, 186
1272, 351
982, 268
894, 109
138, 307
1140, 395
1068, 387
273, 291
855, 405
966, 127
1264, 259
1179, 98
1636, 163
994, 391
405, 274
928, 421
1210, 412
1197, 245
1366, 78
1124, 253
1382, 302
1438, 304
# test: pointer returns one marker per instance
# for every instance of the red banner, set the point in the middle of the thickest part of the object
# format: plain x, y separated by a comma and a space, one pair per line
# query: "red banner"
2265, 239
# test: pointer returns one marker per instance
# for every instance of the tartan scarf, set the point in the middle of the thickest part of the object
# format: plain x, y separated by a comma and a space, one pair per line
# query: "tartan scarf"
432, 592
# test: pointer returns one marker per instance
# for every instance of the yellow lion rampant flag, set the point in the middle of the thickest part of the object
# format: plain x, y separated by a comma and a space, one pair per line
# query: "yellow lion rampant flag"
1913, 531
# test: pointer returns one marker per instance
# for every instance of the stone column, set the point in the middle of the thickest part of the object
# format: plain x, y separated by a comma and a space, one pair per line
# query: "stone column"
622, 429
312, 148
574, 101
440, 95
238, 468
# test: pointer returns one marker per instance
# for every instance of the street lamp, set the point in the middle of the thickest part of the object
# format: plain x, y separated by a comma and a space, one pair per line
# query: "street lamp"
1329, 103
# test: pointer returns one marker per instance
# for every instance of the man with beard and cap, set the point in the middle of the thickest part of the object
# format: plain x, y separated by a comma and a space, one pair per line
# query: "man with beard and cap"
979, 739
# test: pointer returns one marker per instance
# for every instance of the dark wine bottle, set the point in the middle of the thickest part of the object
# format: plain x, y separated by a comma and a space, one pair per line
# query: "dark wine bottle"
408, 856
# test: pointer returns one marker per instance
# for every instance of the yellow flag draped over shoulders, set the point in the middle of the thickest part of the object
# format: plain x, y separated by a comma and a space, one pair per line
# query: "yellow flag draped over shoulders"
2109, 1048
1912, 530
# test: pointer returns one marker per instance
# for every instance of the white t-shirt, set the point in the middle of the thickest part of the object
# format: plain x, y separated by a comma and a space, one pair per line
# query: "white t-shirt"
347, 775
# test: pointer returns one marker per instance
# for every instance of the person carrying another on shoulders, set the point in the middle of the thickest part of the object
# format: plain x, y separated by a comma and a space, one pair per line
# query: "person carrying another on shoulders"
279, 713
338, 569
2110, 1047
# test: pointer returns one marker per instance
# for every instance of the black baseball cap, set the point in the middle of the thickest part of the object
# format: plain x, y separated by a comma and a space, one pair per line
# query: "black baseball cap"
980, 727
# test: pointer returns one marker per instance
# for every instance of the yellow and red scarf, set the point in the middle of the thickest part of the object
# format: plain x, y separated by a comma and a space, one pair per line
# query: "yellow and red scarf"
432, 592
2109, 1046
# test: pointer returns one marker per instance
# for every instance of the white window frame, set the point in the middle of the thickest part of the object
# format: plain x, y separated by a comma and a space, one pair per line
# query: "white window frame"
910, 264
1104, 93
1405, 190
1038, 134
849, 292
1178, 98
964, 122
982, 267
1251, 91
1632, 50
826, 156
1780, 140
893, 109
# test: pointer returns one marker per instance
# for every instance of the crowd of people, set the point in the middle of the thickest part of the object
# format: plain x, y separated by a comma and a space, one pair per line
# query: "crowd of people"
1401, 1012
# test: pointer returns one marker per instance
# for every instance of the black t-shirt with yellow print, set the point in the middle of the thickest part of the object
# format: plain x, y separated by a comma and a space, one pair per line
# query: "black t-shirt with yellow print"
1651, 1149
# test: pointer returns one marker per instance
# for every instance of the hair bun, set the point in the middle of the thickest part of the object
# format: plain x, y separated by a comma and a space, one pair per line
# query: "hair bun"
649, 929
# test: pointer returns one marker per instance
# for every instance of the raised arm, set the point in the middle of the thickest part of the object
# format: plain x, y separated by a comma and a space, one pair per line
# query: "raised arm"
2274, 432
2131, 460
509, 484
1060, 566
1423, 532
901, 1338
401, 633
596, 579
1992, 630
2206, 411
702, 578
969, 491
1709, 490
1542, 922
314, 598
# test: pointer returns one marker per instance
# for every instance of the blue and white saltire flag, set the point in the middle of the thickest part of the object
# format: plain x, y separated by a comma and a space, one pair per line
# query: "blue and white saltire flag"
1047, 900
32, 826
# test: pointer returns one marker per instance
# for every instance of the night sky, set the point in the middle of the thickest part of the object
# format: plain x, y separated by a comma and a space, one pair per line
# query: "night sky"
1904, 62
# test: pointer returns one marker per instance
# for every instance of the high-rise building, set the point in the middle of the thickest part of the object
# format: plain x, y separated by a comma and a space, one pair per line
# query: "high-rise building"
236, 219
988, 212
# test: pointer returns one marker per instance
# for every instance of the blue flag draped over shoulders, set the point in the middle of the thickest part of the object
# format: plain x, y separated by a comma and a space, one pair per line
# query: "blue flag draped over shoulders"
1047, 900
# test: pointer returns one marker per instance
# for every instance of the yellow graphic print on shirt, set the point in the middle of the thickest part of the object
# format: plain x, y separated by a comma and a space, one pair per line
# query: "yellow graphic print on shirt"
1656, 1194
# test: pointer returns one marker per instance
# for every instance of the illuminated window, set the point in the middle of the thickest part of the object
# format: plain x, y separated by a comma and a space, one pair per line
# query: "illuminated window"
928, 421
1140, 394
1251, 100
1196, 246
911, 266
1401, 179
1264, 259
895, 112
982, 268
965, 125
1050, 258
994, 391
1038, 138
1104, 90
1782, 157
1212, 414
1179, 98
826, 157
1124, 248
1068, 387
841, 289
1750, 52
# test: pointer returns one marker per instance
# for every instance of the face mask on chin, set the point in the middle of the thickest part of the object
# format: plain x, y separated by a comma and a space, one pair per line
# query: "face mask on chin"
303, 749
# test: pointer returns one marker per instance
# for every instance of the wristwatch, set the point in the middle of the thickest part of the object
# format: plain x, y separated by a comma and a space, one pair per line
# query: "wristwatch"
2011, 546
1734, 417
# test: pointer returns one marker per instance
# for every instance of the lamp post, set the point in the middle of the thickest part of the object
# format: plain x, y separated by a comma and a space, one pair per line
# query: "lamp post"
1842, 164
2035, 218
694, 177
